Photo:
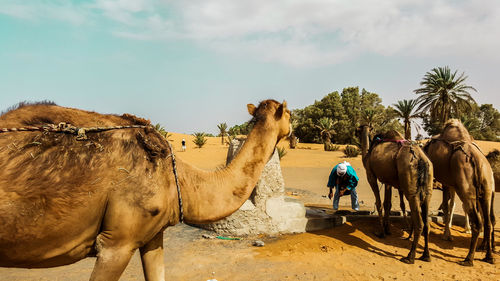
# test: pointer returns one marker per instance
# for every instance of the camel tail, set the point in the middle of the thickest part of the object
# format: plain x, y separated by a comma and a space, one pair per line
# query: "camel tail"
477, 181
422, 177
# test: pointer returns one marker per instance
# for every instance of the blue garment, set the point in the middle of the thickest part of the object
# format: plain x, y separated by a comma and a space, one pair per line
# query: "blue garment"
349, 181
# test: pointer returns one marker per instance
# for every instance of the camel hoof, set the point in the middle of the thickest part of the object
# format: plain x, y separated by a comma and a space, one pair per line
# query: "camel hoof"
407, 260
489, 260
466, 263
426, 258
467, 231
379, 234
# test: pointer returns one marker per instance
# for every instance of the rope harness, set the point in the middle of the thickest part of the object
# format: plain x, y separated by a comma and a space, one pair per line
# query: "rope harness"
80, 133
459, 146
401, 143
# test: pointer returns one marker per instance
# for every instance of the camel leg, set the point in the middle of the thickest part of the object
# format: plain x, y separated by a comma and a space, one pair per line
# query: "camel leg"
407, 225
493, 222
417, 229
425, 217
152, 259
111, 263
372, 180
387, 209
467, 224
473, 213
488, 231
448, 205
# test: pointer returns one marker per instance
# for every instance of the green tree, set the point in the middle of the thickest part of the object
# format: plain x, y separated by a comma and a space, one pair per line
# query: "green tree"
405, 111
243, 129
325, 125
386, 120
346, 110
444, 94
482, 122
222, 131
369, 117
199, 139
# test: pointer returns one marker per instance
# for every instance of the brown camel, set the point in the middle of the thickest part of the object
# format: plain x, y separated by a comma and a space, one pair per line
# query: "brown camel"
460, 166
398, 163
494, 159
62, 200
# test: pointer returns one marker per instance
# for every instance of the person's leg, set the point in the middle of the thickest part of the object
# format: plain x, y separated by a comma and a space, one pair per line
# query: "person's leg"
354, 200
336, 198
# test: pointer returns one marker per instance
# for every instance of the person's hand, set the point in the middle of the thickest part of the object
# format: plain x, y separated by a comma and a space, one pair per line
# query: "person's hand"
330, 195
342, 192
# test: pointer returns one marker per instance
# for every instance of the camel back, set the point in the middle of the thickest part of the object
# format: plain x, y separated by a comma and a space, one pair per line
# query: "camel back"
391, 135
35, 163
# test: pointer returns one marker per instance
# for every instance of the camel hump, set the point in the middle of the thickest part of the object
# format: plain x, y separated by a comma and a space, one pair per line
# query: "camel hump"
43, 113
454, 130
393, 135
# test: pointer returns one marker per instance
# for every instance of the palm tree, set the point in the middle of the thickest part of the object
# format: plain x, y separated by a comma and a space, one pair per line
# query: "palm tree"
199, 139
325, 125
368, 116
162, 131
405, 111
443, 94
222, 131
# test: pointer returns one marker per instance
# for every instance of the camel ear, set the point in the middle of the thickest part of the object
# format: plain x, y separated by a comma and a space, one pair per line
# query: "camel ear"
251, 109
281, 110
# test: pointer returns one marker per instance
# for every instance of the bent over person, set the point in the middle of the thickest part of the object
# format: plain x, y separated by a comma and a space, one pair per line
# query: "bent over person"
344, 179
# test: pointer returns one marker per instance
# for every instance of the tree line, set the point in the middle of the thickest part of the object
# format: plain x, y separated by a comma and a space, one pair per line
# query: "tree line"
443, 94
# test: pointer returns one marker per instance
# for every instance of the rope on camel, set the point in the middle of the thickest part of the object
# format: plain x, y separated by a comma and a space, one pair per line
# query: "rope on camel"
80, 133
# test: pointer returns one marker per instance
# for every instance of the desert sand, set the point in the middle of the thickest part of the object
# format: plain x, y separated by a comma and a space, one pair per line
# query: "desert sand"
348, 252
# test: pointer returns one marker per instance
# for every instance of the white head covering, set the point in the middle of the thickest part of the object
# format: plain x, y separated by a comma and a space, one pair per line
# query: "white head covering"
341, 169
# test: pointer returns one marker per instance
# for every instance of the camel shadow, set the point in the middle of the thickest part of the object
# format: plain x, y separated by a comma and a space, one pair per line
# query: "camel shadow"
346, 234
438, 247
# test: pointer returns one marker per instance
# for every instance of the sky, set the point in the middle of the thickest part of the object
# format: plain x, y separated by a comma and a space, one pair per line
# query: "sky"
190, 65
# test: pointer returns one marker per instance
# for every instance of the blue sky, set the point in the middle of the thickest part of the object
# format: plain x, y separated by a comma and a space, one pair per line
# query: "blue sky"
191, 65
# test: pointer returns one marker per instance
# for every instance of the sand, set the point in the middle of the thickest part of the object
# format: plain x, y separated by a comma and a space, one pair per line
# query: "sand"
349, 252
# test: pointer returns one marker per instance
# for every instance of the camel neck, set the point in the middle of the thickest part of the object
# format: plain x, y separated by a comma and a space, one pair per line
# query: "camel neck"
210, 196
365, 142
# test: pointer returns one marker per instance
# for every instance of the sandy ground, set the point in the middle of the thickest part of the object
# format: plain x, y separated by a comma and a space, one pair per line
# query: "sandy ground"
349, 252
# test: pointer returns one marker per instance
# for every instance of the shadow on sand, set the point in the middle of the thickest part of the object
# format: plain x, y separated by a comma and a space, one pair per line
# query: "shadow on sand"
439, 248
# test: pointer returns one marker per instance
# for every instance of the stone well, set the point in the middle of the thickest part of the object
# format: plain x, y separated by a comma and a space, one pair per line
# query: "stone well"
268, 210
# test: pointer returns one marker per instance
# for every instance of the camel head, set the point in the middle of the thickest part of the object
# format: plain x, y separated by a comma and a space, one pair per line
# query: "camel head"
275, 115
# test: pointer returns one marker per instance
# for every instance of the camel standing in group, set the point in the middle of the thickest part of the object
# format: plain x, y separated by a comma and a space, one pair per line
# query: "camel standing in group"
494, 159
62, 200
405, 166
462, 167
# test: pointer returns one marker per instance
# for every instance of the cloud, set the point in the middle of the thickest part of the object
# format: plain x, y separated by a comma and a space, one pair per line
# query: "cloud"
63, 11
298, 33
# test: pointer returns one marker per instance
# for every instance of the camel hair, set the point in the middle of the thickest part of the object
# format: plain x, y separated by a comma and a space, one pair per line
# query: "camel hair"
494, 159
459, 165
62, 200
399, 163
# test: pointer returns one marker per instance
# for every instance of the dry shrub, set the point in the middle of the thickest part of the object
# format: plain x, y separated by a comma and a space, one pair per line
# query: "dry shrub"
351, 151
